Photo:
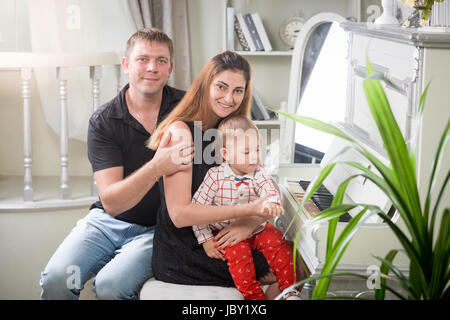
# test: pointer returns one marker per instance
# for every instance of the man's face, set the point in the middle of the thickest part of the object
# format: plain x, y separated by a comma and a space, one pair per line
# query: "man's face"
148, 67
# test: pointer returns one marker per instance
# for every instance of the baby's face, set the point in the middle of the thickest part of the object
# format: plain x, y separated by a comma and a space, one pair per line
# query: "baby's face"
243, 152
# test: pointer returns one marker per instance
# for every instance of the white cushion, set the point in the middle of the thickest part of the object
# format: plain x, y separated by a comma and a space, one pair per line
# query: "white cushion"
158, 290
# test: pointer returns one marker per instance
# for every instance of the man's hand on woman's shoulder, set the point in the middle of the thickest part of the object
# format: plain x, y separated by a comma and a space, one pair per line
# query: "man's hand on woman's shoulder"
171, 157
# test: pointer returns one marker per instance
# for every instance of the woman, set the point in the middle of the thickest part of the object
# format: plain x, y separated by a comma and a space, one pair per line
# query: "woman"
223, 88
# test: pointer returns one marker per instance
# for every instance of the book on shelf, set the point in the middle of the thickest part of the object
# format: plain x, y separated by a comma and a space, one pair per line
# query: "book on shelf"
253, 32
230, 28
242, 27
262, 32
258, 112
240, 35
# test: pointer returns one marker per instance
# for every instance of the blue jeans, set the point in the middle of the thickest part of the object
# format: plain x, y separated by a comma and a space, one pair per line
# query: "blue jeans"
117, 253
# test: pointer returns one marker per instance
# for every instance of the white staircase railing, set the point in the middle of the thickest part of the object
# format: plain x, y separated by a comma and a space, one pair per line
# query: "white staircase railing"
60, 62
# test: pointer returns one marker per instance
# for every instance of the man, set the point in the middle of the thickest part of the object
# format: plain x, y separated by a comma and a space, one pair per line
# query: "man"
114, 242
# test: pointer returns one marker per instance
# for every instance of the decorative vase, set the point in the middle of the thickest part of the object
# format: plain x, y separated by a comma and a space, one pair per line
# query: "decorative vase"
388, 16
417, 19
434, 13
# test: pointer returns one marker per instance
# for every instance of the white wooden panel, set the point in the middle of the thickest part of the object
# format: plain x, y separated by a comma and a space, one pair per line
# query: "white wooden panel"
397, 57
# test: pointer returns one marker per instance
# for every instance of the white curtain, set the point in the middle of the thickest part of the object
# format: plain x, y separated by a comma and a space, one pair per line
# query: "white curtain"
171, 17
74, 26
69, 26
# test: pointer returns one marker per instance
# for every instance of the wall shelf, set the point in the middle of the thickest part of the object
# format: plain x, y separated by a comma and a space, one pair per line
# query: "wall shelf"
286, 53
267, 123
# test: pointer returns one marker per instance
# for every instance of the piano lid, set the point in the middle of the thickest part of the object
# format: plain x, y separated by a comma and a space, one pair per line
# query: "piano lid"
316, 92
360, 190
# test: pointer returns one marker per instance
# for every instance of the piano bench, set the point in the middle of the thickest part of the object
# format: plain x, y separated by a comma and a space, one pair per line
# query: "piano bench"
157, 290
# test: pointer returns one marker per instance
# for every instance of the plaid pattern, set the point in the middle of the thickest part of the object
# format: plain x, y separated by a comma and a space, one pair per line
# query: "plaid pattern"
220, 188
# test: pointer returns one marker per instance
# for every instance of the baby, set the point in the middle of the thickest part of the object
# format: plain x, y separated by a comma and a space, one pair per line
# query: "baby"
240, 179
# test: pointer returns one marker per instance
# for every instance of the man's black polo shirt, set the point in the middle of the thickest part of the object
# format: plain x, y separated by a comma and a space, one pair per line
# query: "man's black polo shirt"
115, 138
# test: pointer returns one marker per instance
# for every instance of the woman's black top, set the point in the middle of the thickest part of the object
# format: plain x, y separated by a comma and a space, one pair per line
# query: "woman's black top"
177, 257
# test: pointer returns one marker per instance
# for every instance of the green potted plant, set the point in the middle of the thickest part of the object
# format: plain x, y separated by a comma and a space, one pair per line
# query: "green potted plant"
426, 238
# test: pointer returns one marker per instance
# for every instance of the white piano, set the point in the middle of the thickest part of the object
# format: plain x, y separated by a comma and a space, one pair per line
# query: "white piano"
408, 58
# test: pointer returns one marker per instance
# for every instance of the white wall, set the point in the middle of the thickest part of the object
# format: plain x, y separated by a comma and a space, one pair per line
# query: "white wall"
435, 117
205, 31
28, 240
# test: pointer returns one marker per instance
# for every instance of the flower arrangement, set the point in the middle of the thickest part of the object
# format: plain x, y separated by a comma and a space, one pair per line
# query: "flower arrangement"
423, 6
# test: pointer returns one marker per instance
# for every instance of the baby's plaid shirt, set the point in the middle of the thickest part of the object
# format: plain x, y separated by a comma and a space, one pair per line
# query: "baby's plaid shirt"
222, 187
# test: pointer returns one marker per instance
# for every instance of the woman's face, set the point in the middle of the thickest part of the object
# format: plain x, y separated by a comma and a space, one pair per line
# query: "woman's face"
226, 93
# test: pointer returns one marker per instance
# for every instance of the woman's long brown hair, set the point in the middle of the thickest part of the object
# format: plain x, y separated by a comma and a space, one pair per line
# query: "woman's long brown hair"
195, 104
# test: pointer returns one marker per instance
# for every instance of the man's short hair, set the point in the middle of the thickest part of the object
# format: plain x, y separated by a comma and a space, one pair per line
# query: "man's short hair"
149, 34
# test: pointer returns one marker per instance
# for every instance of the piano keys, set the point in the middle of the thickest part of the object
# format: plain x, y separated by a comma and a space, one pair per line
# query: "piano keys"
320, 200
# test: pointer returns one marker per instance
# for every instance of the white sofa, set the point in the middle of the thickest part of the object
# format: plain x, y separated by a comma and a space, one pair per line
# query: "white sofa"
157, 290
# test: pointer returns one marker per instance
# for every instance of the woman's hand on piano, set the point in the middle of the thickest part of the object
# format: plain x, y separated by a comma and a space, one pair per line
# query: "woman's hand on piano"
273, 209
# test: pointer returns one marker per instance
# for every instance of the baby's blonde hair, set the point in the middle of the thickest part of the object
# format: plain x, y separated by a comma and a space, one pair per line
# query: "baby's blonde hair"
234, 125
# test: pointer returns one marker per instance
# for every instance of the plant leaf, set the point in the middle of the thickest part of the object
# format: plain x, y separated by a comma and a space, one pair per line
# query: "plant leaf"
334, 274
340, 246
422, 100
337, 200
441, 258
384, 269
442, 146
312, 188
401, 278
316, 124
397, 151
410, 250
392, 189
334, 212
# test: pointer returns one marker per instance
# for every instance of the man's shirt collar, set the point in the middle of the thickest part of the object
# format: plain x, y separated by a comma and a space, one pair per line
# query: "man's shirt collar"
119, 110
